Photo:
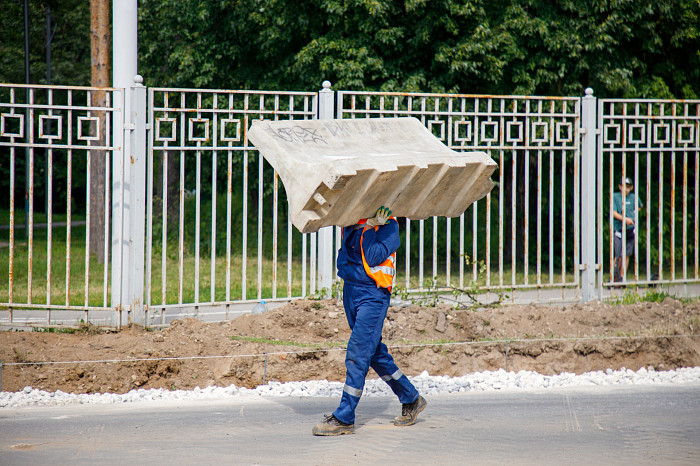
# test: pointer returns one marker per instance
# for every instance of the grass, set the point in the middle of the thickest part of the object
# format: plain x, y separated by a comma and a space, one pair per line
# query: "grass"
97, 287
96, 284
39, 218
173, 276
252, 291
60, 255
652, 296
270, 341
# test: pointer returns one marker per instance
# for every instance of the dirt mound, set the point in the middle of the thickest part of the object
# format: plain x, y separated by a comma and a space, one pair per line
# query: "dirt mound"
304, 340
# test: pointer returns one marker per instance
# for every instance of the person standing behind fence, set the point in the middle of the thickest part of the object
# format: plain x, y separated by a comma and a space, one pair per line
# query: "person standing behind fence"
631, 205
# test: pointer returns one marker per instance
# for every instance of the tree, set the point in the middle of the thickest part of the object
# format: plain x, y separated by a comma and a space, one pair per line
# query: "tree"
640, 48
100, 41
70, 66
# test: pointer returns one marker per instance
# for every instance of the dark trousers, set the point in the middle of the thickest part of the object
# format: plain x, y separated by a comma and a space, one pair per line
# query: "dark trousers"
365, 308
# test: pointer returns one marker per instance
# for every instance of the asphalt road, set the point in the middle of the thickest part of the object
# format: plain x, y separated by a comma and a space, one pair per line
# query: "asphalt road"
613, 425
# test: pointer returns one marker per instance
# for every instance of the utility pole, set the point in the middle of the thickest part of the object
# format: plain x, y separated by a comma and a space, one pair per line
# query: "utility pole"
100, 40
127, 223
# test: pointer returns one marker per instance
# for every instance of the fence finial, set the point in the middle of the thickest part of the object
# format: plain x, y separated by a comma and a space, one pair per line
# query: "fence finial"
326, 85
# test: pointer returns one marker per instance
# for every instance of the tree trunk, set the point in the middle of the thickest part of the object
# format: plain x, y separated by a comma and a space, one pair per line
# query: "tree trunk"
100, 39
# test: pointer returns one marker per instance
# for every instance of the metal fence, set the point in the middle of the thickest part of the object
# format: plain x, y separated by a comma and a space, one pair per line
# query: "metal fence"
655, 143
203, 136
199, 223
53, 134
524, 234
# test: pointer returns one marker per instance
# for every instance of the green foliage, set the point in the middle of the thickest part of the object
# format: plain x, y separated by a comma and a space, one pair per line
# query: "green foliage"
651, 296
70, 65
621, 48
319, 295
70, 50
431, 293
629, 297
632, 48
655, 296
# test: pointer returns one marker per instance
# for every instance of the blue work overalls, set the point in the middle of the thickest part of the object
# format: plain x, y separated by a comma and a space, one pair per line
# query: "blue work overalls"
366, 306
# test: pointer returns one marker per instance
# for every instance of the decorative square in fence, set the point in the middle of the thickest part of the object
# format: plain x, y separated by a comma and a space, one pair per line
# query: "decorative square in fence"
6, 126
489, 126
46, 127
224, 131
611, 133
564, 128
84, 134
540, 132
201, 126
462, 131
686, 134
635, 133
514, 127
657, 130
161, 123
438, 125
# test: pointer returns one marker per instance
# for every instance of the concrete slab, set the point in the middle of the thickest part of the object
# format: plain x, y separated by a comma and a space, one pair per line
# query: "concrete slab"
336, 172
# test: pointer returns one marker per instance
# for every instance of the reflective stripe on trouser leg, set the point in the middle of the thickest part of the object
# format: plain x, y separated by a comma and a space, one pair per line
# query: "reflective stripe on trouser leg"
383, 364
395, 376
357, 393
348, 403
366, 308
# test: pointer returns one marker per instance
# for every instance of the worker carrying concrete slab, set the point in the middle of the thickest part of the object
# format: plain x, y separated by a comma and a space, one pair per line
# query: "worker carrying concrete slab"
336, 171
366, 265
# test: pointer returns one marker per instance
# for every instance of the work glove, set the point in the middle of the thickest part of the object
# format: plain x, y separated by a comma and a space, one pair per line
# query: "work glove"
380, 218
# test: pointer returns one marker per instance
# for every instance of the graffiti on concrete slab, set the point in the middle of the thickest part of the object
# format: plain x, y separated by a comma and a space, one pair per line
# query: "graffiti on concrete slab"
297, 133
320, 132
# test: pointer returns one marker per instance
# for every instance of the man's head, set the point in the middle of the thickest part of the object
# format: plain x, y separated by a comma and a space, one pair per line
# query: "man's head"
626, 186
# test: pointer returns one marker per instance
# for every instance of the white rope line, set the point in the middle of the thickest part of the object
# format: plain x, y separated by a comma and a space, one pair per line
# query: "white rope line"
328, 350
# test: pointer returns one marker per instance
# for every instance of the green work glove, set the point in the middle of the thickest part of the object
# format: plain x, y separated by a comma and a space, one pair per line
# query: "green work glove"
380, 218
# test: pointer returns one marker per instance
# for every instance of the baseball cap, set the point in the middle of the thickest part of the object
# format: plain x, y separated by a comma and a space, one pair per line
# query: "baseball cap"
626, 180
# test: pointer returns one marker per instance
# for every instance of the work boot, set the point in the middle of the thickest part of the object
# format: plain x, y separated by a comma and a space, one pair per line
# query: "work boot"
409, 412
332, 426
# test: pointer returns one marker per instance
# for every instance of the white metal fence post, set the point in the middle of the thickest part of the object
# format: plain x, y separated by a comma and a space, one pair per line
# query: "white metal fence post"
588, 197
137, 201
118, 193
326, 274
128, 212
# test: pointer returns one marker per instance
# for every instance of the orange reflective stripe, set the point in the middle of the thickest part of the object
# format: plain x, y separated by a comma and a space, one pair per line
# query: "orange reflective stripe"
385, 273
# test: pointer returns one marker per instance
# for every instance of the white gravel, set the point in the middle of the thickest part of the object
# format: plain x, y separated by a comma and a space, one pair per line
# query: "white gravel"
425, 383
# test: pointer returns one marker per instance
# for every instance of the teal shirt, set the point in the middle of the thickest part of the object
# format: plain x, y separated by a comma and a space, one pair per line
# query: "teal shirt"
632, 203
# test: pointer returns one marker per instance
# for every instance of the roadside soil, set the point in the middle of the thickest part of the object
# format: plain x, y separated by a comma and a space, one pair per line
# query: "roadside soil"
304, 340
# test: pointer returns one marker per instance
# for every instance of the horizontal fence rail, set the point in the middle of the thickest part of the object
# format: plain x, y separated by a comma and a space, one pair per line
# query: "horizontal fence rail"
52, 138
518, 234
205, 197
656, 144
